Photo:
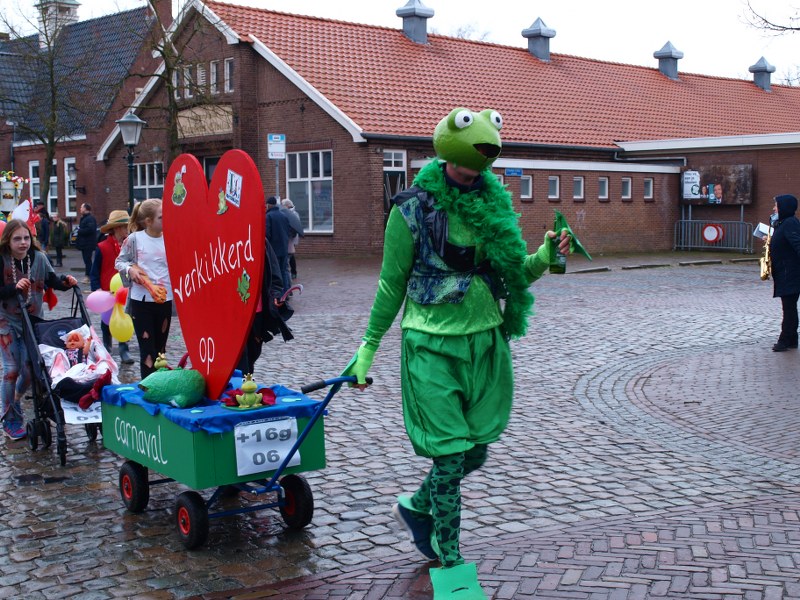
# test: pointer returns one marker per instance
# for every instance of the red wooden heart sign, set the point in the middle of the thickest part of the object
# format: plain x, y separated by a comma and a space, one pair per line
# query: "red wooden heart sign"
215, 244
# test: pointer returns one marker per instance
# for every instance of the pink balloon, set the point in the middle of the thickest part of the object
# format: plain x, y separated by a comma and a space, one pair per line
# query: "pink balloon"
100, 301
2, 227
122, 295
106, 316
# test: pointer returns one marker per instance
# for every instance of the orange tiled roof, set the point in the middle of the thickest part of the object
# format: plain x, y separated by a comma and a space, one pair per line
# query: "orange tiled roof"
389, 85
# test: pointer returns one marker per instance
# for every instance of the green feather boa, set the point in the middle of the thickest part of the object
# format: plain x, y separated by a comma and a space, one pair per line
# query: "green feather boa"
490, 215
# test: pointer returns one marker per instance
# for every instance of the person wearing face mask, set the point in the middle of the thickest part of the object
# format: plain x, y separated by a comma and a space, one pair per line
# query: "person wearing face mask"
784, 250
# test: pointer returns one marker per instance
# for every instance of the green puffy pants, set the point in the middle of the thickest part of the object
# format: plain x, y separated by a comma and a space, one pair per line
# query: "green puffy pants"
457, 390
457, 394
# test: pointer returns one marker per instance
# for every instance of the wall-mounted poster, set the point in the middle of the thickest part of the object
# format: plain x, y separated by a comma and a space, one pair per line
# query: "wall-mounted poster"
718, 184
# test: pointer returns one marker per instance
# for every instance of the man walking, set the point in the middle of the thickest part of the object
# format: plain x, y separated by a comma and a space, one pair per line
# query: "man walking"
87, 238
278, 232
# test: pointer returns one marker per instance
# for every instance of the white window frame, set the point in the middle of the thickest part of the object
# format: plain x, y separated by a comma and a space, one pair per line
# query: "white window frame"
37, 185
200, 75
149, 177
213, 77
578, 188
70, 189
35, 189
526, 181
601, 194
396, 158
188, 82
309, 181
228, 75
176, 84
550, 180
649, 186
626, 195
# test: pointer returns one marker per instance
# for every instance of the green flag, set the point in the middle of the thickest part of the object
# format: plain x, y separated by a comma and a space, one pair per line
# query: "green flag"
575, 246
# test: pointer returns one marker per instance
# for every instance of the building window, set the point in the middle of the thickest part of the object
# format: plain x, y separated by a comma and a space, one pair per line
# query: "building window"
394, 159
602, 188
148, 180
213, 76
201, 79
552, 187
310, 186
71, 179
501, 179
625, 191
577, 188
228, 75
176, 84
33, 175
36, 187
648, 188
188, 82
526, 187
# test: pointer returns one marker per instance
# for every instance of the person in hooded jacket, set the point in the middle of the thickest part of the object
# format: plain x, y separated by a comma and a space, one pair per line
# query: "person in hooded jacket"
784, 250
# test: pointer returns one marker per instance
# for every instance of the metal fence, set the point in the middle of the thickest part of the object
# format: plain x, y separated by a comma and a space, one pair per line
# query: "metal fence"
714, 235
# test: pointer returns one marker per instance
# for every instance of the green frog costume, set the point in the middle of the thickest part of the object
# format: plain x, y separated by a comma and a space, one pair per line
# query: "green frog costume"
454, 254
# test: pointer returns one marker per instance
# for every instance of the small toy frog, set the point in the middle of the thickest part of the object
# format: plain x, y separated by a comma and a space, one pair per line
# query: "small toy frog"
179, 191
161, 362
243, 286
222, 205
250, 399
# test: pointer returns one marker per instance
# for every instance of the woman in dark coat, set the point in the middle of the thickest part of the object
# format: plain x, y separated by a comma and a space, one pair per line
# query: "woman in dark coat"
784, 251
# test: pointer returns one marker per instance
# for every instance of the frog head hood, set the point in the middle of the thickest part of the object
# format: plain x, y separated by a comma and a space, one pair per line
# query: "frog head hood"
469, 139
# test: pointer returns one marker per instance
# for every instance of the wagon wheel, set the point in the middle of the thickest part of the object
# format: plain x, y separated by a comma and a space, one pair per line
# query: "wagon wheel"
33, 437
298, 505
191, 516
134, 486
91, 431
47, 435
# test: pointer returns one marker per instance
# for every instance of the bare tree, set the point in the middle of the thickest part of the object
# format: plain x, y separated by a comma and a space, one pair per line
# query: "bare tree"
759, 20
47, 90
467, 32
178, 70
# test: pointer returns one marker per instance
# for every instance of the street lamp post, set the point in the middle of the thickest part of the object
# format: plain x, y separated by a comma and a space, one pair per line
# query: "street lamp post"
130, 127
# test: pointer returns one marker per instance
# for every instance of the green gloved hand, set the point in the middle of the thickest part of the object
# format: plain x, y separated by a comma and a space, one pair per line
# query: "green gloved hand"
360, 364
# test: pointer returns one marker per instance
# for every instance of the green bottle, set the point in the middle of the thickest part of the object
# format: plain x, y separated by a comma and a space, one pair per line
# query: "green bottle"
558, 262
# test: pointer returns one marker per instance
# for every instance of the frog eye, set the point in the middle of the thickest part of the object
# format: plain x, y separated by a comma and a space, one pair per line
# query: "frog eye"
463, 119
496, 119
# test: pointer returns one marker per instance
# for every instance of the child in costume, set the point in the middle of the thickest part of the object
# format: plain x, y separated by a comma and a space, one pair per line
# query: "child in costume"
452, 251
26, 271
142, 266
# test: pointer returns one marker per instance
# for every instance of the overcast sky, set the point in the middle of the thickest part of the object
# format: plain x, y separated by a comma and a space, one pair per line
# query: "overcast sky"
712, 34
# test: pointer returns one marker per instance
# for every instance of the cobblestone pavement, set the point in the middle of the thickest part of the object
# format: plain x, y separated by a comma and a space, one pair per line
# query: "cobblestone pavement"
653, 452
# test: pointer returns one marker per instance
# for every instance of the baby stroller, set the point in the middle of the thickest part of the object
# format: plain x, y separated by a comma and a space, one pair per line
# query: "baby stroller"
46, 400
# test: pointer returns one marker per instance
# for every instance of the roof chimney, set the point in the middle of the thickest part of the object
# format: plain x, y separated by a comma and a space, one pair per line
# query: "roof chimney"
761, 74
668, 60
53, 15
539, 36
414, 16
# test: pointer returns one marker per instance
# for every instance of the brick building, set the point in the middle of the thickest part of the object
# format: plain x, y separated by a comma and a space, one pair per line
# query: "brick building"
605, 143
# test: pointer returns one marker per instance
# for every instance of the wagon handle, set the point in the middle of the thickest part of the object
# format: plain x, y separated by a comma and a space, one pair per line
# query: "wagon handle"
322, 383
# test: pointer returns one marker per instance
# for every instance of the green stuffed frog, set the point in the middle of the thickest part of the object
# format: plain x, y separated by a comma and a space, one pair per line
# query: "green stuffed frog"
180, 388
249, 399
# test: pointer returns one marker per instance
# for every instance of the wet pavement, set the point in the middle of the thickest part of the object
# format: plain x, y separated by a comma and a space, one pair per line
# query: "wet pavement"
654, 451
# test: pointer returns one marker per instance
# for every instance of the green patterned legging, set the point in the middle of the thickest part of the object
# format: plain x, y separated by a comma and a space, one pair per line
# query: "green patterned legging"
440, 496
